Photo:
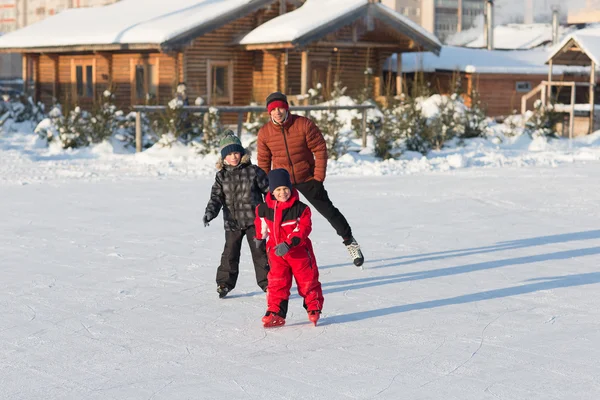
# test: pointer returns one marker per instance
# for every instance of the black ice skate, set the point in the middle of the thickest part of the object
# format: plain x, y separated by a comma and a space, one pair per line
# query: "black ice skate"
222, 290
354, 250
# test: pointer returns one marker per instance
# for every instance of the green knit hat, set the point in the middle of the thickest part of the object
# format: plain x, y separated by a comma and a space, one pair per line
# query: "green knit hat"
230, 143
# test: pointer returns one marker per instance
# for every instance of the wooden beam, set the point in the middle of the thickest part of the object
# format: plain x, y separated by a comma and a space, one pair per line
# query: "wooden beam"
55, 76
283, 62
592, 95
24, 70
73, 85
304, 73
399, 82
36, 77
84, 48
377, 74
268, 46
549, 94
572, 115
372, 45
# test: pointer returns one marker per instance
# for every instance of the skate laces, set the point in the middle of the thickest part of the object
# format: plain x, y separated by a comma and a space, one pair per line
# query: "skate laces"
354, 249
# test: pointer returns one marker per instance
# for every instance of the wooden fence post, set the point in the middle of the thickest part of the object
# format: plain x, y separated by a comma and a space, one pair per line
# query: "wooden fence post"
240, 124
138, 131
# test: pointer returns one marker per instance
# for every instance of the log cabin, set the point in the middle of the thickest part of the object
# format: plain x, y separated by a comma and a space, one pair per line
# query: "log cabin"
229, 52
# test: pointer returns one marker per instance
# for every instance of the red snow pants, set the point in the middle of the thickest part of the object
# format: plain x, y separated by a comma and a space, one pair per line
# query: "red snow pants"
299, 263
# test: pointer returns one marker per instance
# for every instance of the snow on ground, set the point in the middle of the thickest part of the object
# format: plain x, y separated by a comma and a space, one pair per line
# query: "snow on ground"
24, 160
480, 282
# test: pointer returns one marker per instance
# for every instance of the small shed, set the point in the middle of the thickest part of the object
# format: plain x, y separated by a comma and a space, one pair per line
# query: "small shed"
500, 77
581, 48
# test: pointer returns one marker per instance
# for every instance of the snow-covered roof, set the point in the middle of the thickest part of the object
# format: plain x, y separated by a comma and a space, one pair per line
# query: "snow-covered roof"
147, 22
587, 40
479, 61
510, 36
316, 18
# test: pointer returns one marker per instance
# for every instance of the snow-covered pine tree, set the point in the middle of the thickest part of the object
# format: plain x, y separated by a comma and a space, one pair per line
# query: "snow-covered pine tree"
387, 130
212, 129
331, 125
103, 119
542, 121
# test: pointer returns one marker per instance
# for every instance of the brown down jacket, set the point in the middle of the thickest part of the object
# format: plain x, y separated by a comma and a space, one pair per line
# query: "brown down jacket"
297, 145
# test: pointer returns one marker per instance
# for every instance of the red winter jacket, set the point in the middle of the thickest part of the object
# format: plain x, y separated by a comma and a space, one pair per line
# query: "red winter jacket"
281, 222
289, 222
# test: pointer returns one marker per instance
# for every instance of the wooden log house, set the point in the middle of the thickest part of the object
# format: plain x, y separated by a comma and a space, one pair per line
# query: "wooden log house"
501, 78
75, 56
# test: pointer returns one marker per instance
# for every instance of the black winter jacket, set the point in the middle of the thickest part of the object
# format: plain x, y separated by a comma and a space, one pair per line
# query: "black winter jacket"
238, 190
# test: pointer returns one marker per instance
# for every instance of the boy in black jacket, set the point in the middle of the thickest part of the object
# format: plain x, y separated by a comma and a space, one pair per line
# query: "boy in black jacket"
239, 187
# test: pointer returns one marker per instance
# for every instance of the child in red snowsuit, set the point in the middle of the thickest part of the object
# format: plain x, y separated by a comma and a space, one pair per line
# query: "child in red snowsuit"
286, 223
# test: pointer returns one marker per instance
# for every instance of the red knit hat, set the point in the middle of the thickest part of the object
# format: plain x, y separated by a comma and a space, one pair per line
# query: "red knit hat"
277, 100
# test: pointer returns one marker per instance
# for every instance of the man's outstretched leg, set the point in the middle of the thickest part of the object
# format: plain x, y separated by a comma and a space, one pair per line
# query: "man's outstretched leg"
315, 194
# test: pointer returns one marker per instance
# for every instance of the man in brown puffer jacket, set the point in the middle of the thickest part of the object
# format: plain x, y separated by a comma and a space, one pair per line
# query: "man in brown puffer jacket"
296, 144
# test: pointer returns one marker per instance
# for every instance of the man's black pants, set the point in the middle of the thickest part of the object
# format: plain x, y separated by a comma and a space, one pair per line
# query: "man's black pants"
228, 271
316, 195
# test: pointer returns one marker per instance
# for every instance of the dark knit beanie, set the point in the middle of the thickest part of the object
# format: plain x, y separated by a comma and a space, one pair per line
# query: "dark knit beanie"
230, 143
279, 177
277, 99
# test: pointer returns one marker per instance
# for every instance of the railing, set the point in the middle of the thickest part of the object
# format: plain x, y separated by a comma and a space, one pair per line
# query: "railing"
241, 110
539, 88
545, 87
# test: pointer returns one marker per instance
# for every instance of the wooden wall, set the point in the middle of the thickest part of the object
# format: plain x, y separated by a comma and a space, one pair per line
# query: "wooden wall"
499, 95
218, 46
497, 92
112, 71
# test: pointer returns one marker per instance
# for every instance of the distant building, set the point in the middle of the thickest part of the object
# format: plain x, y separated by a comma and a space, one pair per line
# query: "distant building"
8, 15
441, 17
16, 14
512, 36
589, 14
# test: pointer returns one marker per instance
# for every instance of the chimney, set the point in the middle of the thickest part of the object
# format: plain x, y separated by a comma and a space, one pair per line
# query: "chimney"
528, 12
489, 24
554, 25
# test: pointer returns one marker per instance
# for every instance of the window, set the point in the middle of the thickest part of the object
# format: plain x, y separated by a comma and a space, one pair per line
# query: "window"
523, 86
220, 82
144, 80
83, 78
140, 82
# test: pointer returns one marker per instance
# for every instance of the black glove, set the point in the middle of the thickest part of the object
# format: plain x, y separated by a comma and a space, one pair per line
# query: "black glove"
281, 249
206, 220
258, 242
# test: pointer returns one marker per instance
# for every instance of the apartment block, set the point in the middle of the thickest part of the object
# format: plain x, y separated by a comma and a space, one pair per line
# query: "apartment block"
441, 17
15, 14
589, 14
8, 15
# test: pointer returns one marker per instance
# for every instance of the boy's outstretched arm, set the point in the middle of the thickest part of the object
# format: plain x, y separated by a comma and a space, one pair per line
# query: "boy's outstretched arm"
216, 201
